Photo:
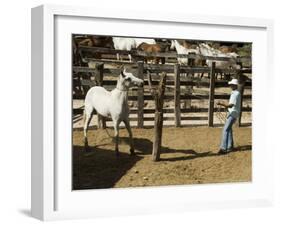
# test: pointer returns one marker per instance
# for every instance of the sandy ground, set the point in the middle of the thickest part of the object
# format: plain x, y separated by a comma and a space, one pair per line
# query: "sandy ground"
189, 156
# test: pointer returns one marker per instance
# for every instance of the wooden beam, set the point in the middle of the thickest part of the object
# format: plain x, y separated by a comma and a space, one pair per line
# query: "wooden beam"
99, 79
203, 83
171, 54
171, 97
241, 90
157, 68
177, 95
77, 111
211, 96
158, 122
140, 96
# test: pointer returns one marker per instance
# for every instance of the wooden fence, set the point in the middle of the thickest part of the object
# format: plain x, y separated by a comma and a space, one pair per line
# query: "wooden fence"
85, 77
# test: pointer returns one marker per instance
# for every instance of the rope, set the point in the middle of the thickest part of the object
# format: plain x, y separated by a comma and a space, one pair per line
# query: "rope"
221, 114
221, 111
109, 136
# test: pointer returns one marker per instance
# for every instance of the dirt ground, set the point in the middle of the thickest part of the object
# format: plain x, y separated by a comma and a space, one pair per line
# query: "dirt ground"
189, 156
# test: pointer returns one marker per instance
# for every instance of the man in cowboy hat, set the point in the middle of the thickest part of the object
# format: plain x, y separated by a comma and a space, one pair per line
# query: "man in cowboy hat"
233, 107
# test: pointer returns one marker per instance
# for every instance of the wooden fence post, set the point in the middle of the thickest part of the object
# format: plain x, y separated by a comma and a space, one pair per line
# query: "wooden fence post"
177, 107
241, 90
158, 95
211, 96
99, 79
140, 95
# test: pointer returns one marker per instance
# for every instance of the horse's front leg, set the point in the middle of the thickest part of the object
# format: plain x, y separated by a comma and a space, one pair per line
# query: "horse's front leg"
128, 127
130, 57
116, 135
87, 118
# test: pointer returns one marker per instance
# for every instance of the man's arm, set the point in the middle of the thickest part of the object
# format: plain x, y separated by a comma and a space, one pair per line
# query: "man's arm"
232, 101
226, 105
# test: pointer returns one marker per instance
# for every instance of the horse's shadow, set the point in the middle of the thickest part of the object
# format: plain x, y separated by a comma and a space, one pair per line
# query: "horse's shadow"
99, 167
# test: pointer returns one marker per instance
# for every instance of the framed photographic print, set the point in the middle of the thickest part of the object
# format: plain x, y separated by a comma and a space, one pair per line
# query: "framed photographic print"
136, 112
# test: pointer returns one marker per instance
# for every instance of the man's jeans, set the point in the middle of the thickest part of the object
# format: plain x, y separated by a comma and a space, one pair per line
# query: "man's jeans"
227, 135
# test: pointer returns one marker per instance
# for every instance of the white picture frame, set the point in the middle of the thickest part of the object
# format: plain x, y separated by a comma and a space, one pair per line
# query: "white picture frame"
48, 186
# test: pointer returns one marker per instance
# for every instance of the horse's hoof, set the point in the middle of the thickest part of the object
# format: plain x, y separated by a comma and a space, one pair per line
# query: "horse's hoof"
132, 152
86, 148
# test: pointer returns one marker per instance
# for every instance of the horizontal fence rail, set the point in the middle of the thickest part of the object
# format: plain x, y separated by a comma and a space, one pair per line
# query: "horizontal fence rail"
171, 97
161, 68
165, 110
161, 54
87, 82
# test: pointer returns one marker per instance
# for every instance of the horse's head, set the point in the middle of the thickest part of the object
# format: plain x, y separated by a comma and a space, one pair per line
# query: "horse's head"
172, 44
205, 49
127, 79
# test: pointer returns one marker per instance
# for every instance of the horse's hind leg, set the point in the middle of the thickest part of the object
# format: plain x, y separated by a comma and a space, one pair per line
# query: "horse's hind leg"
88, 112
128, 127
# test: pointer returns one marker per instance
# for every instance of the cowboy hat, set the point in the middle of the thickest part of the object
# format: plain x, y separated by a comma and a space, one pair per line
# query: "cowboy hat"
234, 81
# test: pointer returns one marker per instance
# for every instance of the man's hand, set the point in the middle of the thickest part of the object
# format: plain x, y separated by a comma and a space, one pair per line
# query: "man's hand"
221, 104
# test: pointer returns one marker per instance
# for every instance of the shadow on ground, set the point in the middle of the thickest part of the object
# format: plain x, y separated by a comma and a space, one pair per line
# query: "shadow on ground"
26, 212
193, 154
100, 168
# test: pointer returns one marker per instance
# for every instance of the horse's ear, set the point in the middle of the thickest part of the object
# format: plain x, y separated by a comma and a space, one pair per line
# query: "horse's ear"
123, 71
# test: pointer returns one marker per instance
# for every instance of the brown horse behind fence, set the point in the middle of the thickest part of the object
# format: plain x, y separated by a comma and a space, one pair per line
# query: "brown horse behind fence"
152, 48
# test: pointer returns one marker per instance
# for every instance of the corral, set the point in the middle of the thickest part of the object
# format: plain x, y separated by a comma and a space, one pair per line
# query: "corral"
189, 115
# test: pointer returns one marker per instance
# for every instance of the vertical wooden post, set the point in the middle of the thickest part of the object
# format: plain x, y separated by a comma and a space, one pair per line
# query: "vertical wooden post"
177, 109
140, 96
158, 123
99, 68
241, 90
99, 78
211, 96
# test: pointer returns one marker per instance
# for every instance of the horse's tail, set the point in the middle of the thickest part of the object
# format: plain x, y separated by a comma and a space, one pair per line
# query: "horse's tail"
83, 116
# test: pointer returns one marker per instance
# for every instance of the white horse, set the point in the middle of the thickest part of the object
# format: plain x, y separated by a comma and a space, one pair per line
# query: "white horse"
182, 50
128, 44
144, 40
206, 50
112, 104
124, 44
